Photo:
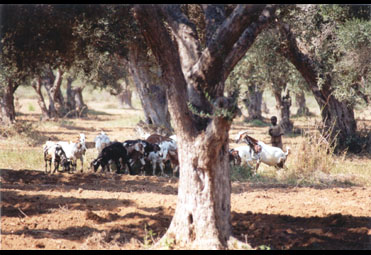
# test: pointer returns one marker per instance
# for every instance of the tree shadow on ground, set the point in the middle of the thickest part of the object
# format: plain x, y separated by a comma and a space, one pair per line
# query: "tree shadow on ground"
282, 232
34, 180
95, 112
14, 205
157, 222
267, 183
335, 231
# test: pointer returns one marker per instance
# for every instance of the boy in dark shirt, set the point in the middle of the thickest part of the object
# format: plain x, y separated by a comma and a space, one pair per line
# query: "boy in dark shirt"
276, 132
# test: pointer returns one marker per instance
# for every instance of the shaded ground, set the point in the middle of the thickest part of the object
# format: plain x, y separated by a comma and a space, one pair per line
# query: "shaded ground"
94, 211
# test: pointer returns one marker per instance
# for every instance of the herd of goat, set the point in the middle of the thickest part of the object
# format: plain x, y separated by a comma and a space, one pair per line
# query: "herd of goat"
143, 156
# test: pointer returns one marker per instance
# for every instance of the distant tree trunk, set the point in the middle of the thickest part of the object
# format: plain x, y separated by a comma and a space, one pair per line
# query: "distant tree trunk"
283, 104
52, 85
7, 103
336, 116
74, 105
70, 103
277, 92
80, 106
152, 97
301, 104
125, 95
253, 102
36, 84
285, 121
57, 94
265, 108
125, 99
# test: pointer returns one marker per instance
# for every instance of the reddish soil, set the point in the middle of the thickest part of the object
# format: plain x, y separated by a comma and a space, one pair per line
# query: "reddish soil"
109, 211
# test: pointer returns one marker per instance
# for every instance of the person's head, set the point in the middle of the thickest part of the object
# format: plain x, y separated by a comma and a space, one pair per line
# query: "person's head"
274, 120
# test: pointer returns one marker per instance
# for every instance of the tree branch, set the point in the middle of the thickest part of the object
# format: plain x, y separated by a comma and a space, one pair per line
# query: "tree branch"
247, 39
189, 49
166, 54
185, 34
207, 71
303, 63
214, 17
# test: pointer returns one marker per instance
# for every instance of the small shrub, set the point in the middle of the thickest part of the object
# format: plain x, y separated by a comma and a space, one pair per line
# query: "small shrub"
241, 173
31, 108
66, 123
315, 153
148, 239
257, 123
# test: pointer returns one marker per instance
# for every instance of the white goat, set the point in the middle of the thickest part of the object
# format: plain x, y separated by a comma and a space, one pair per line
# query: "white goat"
247, 155
101, 141
166, 148
167, 145
75, 151
272, 156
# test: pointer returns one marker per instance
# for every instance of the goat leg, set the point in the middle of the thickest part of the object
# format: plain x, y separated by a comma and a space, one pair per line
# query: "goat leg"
56, 166
257, 166
82, 163
118, 166
46, 167
162, 166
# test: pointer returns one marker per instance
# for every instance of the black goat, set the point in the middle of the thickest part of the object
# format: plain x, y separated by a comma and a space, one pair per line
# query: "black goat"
115, 152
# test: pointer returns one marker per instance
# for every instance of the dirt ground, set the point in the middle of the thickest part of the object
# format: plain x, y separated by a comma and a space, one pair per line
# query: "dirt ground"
94, 211
110, 211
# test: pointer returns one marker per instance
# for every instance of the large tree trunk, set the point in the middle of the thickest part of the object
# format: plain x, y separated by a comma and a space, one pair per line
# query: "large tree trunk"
7, 103
202, 219
336, 116
152, 96
202, 216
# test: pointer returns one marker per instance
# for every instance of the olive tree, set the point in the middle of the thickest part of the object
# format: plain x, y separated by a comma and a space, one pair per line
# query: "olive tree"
311, 40
202, 115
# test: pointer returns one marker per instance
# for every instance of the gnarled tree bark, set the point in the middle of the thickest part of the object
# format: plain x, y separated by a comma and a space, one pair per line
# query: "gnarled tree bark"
202, 215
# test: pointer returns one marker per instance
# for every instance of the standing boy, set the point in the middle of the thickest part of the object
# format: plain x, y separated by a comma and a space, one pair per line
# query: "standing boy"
276, 132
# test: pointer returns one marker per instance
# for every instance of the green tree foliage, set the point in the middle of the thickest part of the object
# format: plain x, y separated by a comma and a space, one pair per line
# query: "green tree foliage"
43, 35
337, 37
352, 62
